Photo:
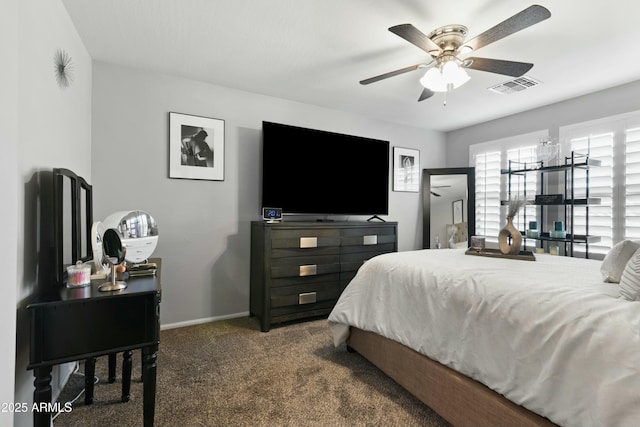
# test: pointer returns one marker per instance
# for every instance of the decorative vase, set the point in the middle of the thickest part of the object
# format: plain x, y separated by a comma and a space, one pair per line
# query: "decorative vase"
510, 230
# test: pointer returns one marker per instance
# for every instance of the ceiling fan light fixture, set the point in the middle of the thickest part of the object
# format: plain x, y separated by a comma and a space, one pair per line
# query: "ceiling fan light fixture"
454, 74
433, 80
442, 79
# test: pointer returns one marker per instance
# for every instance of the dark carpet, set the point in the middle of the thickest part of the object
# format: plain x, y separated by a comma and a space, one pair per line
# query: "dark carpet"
228, 373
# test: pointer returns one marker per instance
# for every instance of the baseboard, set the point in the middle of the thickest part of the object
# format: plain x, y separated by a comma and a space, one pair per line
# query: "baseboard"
200, 321
63, 373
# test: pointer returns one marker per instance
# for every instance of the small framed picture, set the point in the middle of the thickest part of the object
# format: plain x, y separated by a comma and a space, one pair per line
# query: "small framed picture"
457, 206
196, 147
406, 169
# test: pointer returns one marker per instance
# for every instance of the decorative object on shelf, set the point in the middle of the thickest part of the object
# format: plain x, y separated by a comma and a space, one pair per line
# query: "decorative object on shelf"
533, 231
196, 147
406, 169
510, 232
477, 243
457, 207
554, 250
63, 68
548, 151
558, 231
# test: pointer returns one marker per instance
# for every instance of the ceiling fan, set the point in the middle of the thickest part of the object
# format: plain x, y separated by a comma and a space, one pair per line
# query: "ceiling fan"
446, 44
438, 186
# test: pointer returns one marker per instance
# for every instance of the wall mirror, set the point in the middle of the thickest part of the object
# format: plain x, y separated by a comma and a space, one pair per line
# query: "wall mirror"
73, 218
448, 206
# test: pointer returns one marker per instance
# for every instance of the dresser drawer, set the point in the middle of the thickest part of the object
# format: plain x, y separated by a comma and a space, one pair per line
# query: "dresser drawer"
306, 294
304, 266
367, 236
296, 252
296, 280
304, 238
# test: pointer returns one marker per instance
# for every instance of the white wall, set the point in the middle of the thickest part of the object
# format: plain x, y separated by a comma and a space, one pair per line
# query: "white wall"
204, 225
53, 130
9, 196
617, 100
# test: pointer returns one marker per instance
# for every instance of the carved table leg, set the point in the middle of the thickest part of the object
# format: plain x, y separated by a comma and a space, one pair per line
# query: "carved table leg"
112, 367
42, 394
89, 374
126, 375
149, 386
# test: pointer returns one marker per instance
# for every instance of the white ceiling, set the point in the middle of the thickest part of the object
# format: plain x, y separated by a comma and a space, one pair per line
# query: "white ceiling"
316, 52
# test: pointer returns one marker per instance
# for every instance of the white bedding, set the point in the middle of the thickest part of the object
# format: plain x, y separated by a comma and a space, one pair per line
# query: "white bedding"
549, 335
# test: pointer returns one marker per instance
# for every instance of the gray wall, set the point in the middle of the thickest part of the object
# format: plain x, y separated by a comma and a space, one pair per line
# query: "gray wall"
617, 100
52, 129
204, 225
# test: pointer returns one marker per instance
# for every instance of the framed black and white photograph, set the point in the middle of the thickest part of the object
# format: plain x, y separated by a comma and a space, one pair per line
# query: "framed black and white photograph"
406, 169
196, 147
457, 211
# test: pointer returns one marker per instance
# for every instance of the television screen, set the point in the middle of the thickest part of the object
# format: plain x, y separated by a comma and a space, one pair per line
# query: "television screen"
308, 171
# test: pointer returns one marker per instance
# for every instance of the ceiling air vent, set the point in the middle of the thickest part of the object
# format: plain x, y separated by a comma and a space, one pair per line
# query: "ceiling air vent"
515, 85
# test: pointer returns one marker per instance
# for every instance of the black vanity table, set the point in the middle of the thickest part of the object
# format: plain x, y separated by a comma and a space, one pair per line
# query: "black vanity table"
72, 324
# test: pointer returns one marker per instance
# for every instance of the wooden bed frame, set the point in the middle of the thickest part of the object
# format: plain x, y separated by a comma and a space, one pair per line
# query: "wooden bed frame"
455, 397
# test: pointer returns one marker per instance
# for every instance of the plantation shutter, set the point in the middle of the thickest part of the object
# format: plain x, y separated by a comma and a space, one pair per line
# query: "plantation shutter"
487, 168
521, 158
599, 146
632, 184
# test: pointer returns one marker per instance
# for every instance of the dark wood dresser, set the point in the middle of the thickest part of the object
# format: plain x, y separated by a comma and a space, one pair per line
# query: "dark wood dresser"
299, 269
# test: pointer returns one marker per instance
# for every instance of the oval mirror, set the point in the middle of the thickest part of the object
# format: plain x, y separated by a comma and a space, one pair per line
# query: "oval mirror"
114, 253
112, 246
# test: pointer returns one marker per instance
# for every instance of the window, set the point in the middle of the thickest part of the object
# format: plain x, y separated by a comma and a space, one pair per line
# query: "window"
599, 146
615, 141
487, 166
492, 187
632, 184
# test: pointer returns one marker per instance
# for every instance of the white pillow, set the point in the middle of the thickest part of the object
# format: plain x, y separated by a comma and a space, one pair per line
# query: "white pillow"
616, 259
630, 280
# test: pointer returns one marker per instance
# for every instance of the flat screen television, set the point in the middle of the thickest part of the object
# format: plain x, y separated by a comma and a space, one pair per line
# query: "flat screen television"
308, 171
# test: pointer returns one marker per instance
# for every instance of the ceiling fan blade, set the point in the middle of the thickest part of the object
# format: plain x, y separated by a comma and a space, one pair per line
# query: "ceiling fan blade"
526, 18
391, 74
426, 93
499, 66
416, 37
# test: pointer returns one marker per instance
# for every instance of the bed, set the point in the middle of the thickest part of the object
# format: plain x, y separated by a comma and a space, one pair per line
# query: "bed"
498, 342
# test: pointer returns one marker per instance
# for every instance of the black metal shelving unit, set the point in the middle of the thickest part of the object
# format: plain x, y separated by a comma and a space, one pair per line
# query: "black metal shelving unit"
573, 163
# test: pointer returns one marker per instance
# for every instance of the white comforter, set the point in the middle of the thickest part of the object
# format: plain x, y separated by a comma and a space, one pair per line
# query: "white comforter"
549, 335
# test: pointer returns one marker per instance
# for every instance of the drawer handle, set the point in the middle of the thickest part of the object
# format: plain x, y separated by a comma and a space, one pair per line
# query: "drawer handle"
370, 240
308, 270
308, 242
307, 298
